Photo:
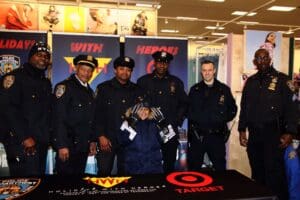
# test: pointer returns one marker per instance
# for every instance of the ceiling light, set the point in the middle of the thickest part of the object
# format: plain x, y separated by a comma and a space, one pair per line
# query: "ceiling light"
195, 37
242, 13
297, 38
219, 34
143, 5
215, 0
247, 22
187, 18
281, 8
169, 31
166, 21
215, 27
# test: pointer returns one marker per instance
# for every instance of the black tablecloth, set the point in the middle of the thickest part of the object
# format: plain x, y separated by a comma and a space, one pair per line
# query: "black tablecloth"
179, 185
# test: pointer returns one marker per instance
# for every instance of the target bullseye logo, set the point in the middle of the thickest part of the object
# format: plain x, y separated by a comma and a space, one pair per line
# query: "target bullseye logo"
189, 179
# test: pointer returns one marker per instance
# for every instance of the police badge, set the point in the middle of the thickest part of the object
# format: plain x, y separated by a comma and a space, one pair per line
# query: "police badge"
272, 85
291, 85
172, 87
8, 81
222, 99
60, 90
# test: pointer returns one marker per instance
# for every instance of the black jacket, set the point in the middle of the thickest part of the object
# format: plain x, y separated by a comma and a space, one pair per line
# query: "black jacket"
73, 114
25, 105
112, 101
168, 94
267, 99
211, 107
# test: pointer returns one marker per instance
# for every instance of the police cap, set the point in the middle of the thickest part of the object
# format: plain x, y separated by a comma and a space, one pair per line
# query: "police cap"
86, 60
162, 56
39, 47
124, 62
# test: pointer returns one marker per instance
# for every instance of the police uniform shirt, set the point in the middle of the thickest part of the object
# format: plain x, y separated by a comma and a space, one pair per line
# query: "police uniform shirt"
25, 102
211, 106
268, 98
168, 94
73, 113
112, 101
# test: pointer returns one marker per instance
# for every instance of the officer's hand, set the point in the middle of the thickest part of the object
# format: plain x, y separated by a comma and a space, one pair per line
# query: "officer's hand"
243, 139
29, 146
63, 154
105, 144
285, 140
93, 149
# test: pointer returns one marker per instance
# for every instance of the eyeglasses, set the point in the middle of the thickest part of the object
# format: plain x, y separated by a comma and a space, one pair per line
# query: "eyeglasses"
265, 58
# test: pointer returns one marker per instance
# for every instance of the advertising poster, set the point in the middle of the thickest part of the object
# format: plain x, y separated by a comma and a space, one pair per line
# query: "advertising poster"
14, 48
51, 17
255, 40
19, 16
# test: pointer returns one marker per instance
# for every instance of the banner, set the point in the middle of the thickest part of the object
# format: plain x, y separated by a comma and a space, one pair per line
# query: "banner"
106, 49
65, 47
142, 48
14, 48
254, 40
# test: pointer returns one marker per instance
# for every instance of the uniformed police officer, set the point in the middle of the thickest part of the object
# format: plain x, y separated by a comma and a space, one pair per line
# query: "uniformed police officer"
25, 101
269, 114
211, 107
113, 98
73, 114
167, 92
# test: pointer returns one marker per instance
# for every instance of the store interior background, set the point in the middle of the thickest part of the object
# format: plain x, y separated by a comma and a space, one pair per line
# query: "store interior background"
211, 28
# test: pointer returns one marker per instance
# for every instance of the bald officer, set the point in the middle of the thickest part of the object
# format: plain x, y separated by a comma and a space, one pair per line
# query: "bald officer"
72, 118
113, 98
167, 92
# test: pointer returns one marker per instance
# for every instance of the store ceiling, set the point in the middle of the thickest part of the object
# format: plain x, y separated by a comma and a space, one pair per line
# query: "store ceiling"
216, 13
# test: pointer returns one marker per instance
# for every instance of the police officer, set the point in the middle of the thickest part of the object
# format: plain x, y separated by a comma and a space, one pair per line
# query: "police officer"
167, 92
113, 98
73, 114
25, 101
269, 114
211, 107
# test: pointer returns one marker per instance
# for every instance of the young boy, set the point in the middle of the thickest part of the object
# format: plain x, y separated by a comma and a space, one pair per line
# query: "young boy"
140, 142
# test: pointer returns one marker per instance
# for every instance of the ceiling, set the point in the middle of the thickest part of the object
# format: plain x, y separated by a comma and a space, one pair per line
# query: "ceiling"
215, 14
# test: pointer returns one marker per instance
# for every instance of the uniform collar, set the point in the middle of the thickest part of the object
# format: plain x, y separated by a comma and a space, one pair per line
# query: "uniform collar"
117, 84
82, 83
166, 76
78, 82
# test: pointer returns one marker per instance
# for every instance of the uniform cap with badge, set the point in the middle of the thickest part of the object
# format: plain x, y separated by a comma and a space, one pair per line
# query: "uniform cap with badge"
124, 62
162, 56
39, 47
86, 60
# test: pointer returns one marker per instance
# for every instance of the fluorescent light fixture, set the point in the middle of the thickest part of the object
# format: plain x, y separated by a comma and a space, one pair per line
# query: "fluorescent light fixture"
215, 0
219, 34
297, 38
187, 18
169, 31
144, 5
248, 22
282, 8
215, 27
242, 13
286, 32
195, 37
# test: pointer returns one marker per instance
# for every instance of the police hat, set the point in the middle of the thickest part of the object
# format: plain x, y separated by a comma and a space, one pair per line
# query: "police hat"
86, 60
162, 56
124, 62
39, 47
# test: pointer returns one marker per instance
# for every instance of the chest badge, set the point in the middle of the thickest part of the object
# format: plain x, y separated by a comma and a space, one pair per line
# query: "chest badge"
222, 100
60, 90
273, 83
172, 87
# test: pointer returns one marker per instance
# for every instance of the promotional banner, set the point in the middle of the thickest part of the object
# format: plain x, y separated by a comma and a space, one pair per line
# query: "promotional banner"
14, 48
254, 40
142, 48
106, 49
66, 47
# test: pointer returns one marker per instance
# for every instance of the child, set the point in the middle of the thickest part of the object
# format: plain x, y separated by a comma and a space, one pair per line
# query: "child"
140, 142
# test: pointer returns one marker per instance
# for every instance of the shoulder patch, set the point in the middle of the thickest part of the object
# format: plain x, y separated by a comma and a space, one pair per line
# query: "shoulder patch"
8, 81
60, 90
290, 84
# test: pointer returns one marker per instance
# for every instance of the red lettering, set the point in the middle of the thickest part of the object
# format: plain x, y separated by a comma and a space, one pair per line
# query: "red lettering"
19, 45
185, 190
140, 49
148, 50
178, 190
12, 44
97, 48
86, 47
154, 49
